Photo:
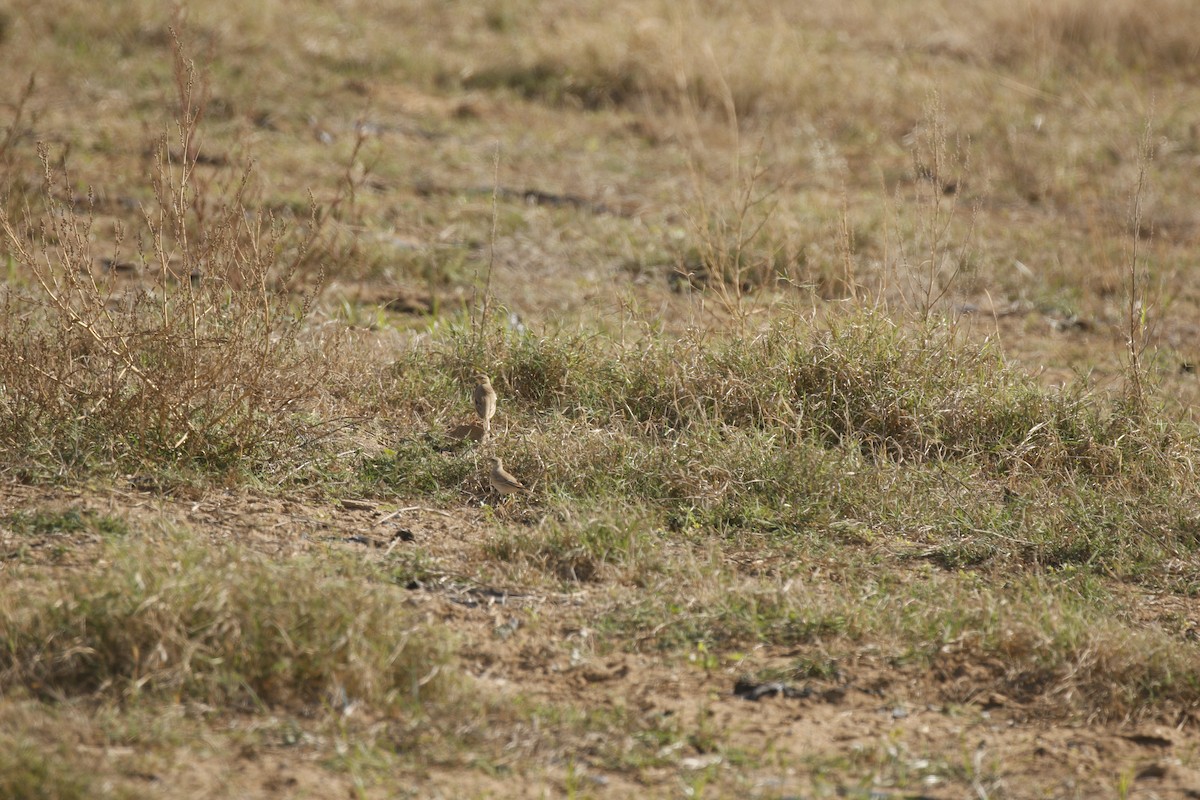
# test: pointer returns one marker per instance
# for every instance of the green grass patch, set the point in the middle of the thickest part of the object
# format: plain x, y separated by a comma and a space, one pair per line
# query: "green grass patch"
424, 467
31, 771
819, 432
593, 546
1061, 641
70, 520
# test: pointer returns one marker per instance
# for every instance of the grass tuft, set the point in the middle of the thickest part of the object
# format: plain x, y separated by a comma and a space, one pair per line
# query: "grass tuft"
222, 626
29, 772
71, 520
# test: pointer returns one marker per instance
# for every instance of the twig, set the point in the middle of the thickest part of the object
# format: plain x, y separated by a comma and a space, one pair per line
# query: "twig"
405, 510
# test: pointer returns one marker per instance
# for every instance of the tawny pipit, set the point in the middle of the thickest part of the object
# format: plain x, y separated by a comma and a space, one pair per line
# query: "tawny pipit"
502, 480
485, 398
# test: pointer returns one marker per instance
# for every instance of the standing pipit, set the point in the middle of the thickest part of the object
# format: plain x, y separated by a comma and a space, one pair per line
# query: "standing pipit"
485, 398
502, 480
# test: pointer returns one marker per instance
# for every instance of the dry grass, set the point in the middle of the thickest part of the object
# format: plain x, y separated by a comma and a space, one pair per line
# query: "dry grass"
1157, 37
825, 329
27, 772
214, 626
1059, 643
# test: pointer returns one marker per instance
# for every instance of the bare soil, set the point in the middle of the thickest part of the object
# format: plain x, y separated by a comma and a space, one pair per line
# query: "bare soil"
872, 729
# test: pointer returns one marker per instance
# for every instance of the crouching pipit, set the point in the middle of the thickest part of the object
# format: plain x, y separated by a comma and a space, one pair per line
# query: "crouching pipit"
502, 480
484, 397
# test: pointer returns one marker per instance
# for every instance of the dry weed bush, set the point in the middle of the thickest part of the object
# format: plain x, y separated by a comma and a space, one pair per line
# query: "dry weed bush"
192, 349
736, 251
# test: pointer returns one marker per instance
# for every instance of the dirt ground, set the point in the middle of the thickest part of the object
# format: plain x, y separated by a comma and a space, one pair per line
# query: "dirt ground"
871, 730
505, 153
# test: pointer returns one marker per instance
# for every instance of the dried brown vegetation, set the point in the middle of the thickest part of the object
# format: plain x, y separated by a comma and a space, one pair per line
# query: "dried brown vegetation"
847, 350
